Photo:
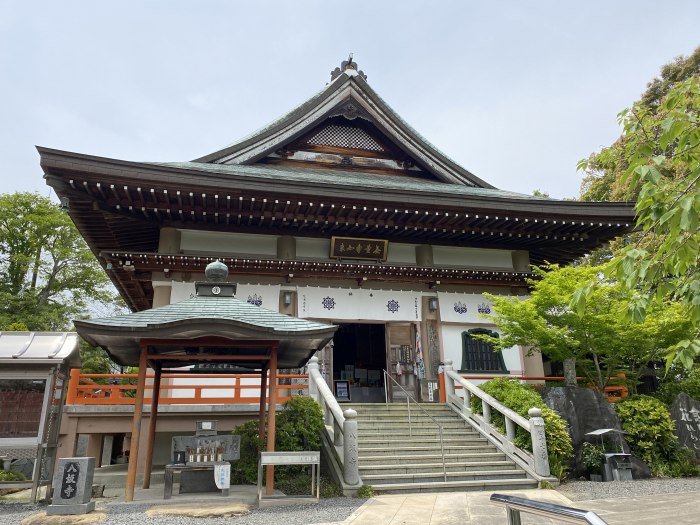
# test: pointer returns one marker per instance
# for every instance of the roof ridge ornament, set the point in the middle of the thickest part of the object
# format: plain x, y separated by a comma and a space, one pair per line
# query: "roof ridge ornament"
349, 67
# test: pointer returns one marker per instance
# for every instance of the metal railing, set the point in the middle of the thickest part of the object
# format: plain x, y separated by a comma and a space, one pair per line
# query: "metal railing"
410, 398
514, 506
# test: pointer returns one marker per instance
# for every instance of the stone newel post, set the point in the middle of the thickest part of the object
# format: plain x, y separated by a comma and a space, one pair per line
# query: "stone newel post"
539, 442
449, 382
351, 472
313, 369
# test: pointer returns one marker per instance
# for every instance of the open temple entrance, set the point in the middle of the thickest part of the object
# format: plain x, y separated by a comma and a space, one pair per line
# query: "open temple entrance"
359, 356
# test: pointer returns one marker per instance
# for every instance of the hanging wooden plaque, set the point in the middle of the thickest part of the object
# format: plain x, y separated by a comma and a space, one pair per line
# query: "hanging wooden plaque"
354, 248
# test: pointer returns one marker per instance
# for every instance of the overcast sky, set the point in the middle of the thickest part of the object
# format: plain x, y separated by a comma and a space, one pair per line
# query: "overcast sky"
517, 92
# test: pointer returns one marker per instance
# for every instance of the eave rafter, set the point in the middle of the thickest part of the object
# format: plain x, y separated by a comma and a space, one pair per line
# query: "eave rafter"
279, 212
145, 263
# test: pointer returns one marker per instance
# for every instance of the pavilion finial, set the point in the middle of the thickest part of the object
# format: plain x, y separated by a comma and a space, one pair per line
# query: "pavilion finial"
349, 67
216, 272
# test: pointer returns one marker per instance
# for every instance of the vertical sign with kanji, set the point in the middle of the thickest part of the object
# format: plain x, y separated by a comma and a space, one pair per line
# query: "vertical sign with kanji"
72, 487
71, 473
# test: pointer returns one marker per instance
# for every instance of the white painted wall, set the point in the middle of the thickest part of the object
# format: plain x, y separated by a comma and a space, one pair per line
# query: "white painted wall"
313, 248
228, 243
401, 253
452, 344
472, 257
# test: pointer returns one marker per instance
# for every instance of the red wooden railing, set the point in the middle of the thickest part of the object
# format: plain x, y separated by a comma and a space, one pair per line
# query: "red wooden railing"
613, 393
241, 389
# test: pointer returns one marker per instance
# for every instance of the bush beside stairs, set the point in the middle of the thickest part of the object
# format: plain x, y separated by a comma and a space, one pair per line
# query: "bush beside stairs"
392, 461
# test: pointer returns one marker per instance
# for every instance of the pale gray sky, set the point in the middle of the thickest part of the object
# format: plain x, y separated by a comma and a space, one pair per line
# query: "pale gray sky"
517, 92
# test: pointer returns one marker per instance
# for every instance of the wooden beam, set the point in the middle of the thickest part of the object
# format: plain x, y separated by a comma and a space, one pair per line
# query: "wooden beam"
155, 398
165, 357
261, 413
271, 410
136, 427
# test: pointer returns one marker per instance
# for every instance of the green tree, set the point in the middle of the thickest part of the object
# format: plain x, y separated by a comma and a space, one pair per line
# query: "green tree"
662, 157
47, 273
594, 339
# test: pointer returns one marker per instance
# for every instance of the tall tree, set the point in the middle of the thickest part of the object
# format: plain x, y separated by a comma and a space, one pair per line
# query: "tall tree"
594, 340
47, 273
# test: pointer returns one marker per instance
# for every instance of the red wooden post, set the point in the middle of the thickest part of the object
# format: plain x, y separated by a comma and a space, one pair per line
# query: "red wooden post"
136, 427
271, 410
152, 427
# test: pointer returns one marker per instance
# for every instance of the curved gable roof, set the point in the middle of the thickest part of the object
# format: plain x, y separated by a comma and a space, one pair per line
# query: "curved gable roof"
349, 95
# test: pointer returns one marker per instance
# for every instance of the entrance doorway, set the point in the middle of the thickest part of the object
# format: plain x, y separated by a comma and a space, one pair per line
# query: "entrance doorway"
359, 356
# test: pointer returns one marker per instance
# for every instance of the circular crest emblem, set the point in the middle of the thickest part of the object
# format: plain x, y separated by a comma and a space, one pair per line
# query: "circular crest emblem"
215, 290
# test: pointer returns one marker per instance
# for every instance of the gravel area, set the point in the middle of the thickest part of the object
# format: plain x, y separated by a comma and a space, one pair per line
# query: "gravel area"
587, 490
327, 511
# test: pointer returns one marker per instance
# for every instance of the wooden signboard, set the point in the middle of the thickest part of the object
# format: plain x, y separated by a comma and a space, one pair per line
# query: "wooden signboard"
342, 390
354, 248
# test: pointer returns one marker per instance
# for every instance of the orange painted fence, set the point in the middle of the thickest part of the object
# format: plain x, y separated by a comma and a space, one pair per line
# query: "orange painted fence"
192, 389
613, 393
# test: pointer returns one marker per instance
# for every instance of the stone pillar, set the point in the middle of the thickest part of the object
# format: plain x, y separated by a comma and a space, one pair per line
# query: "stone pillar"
424, 255
169, 241
313, 369
351, 472
449, 382
286, 248
107, 446
94, 448
539, 442
521, 260
161, 293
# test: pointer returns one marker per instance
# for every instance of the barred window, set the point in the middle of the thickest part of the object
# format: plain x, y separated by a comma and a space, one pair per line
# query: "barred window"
479, 356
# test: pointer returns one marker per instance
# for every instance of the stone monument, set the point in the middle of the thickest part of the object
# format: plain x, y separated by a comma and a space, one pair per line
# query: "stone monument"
685, 411
72, 487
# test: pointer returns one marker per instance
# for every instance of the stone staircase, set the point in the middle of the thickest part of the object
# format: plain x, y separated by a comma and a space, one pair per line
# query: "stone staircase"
391, 461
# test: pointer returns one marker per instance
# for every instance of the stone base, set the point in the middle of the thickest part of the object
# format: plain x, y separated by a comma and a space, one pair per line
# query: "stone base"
76, 508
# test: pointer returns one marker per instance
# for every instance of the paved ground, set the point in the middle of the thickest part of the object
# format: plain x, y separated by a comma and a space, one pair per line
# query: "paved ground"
446, 508
473, 508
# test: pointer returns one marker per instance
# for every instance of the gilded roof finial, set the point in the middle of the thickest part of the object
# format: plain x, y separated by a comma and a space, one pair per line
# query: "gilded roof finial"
349, 67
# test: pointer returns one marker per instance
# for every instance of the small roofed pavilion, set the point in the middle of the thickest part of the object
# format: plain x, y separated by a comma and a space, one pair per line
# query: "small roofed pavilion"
211, 328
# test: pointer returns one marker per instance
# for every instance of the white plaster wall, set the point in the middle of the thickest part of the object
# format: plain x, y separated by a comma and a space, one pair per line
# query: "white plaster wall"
401, 253
452, 344
182, 382
313, 248
228, 243
472, 257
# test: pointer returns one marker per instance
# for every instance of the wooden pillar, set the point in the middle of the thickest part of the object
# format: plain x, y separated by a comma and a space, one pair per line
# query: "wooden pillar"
263, 394
270, 474
136, 427
152, 427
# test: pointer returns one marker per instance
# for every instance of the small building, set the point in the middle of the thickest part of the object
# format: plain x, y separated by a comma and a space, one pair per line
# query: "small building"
341, 213
34, 368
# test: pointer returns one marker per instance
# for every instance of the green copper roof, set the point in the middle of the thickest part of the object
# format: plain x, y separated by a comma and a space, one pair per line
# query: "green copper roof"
212, 308
351, 179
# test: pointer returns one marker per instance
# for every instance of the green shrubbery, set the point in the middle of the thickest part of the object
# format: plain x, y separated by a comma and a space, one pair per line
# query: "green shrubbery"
650, 436
520, 398
298, 427
688, 382
11, 475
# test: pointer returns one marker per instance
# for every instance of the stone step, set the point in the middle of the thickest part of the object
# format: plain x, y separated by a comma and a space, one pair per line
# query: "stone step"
416, 434
415, 422
453, 428
367, 459
437, 475
450, 466
476, 448
425, 442
454, 486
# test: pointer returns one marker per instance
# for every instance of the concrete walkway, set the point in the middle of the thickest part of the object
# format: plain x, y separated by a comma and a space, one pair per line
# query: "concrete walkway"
473, 508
